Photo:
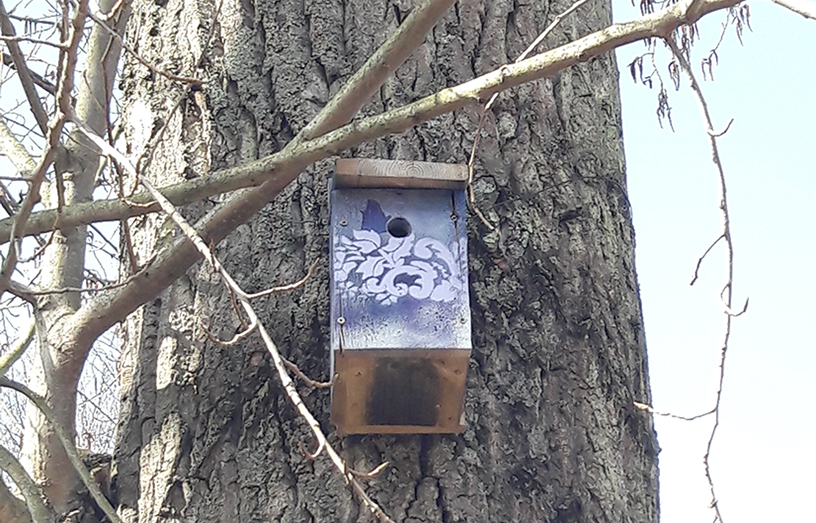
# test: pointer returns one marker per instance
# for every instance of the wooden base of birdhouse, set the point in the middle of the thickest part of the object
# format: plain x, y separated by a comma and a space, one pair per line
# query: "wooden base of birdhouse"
389, 392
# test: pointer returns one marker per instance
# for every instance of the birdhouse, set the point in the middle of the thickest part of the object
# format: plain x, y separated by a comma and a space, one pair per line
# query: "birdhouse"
400, 313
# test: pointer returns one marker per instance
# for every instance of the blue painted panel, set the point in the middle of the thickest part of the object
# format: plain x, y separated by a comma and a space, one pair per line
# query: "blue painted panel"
399, 269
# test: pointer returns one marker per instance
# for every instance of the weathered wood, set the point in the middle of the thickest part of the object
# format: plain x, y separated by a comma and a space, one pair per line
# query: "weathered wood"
355, 172
389, 392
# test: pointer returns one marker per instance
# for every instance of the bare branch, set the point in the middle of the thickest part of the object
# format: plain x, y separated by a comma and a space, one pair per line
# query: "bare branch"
701, 258
68, 444
54, 130
722, 133
650, 410
17, 289
289, 287
31, 492
471, 165
38, 79
12, 509
312, 455
802, 7
22, 71
249, 329
242, 296
64, 290
357, 90
31, 40
306, 379
281, 168
275, 172
34, 21
170, 76
14, 150
18, 349
372, 473
727, 292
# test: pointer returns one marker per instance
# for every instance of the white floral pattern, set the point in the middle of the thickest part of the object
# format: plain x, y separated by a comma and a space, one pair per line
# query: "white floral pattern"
421, 268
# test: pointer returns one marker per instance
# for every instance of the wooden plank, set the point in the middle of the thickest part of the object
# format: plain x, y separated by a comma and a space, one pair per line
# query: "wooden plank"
361, 390
359, 172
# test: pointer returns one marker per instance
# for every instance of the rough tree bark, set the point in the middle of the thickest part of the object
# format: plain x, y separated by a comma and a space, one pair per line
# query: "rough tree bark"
559, 357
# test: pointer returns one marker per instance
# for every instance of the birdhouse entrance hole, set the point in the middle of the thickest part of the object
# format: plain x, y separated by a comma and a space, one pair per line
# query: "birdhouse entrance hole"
399, 227
400, 330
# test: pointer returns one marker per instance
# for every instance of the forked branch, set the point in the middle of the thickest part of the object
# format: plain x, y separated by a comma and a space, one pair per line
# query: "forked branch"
54, 130
32, 493
726, 236
278, 170
67, 443
244, 300
37, 108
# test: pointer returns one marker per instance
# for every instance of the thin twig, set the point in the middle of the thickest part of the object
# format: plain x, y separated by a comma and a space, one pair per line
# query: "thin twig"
727, 307
727, 293
289, 287
32, 40
34, 21
65, 83
722, 133
471, 164
18, 349
372, 473
37, 78
64, 290
279, 169
243, 298
248, 329
41, 249
557, 20
306, 379
313, 455
67, 443
701, 258
23, 73
650, 410
802, 7
170, 76
31, 491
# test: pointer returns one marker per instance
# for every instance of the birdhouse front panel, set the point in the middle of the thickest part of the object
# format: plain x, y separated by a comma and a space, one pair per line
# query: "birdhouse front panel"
400, 269
400, 310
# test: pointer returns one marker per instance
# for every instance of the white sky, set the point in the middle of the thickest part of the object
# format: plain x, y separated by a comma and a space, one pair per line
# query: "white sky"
763, 457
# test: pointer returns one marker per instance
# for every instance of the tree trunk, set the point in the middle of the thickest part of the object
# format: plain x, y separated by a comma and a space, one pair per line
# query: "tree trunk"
206, 433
